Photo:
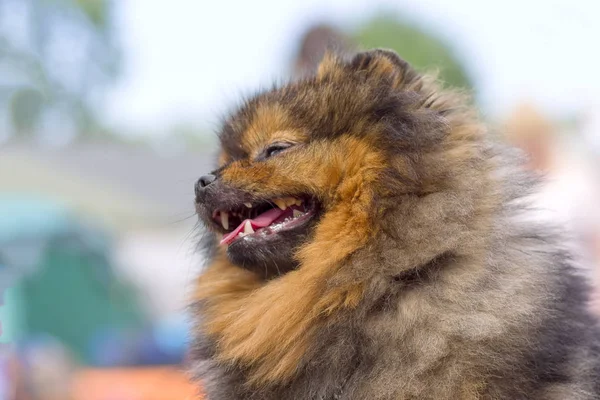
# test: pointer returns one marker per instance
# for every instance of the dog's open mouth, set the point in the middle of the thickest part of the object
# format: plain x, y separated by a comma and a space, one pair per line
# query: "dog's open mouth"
264, 219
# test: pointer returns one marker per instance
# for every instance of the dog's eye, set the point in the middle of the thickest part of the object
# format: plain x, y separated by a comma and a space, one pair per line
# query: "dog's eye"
274, 149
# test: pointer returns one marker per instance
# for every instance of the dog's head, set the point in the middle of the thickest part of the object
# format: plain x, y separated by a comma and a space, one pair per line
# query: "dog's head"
336, 185
332, 154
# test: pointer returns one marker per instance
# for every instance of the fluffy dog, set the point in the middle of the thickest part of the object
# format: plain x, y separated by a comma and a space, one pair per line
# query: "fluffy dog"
371, 241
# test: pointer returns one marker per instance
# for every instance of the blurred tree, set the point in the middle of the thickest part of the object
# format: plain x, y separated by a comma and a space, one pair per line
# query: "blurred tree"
420, 48
56, 57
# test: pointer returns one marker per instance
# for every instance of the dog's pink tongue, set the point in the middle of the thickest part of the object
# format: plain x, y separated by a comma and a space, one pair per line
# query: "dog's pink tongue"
262, 220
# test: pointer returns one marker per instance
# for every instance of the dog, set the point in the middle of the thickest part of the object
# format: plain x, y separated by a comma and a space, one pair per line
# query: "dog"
369, 239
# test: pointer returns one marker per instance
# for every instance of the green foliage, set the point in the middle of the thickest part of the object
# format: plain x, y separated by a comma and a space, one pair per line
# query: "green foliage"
96, 10
421, 49
58, 63
26, 106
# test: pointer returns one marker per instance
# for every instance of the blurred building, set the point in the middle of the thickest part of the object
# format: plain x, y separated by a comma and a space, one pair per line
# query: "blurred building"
143, 198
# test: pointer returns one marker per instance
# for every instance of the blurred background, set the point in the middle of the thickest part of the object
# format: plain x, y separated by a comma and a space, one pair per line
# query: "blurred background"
108, 114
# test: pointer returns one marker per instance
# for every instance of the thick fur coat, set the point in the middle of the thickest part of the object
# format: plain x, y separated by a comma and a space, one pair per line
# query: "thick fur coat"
422, 275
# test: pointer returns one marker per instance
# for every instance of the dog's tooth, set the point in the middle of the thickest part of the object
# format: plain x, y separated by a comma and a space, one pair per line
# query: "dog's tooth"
289, 201
297, 213
248, 228
281, 203
249, 205
225, 219
298, 202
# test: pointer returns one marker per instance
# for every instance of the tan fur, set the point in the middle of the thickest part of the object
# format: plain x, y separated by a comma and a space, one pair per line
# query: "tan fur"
268, 122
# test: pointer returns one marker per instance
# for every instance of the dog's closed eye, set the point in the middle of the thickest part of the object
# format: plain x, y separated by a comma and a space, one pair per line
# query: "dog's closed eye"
273, 149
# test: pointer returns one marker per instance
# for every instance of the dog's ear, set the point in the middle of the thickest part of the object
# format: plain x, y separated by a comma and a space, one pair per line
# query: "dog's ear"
384, 65
379, 64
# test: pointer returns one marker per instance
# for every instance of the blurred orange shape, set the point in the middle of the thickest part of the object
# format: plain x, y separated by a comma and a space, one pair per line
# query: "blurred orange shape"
151, 383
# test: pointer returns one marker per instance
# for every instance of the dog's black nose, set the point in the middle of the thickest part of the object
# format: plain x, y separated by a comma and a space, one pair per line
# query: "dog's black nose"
205, 180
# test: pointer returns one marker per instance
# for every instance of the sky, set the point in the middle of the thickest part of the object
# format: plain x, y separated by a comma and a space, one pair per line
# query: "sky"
189, 61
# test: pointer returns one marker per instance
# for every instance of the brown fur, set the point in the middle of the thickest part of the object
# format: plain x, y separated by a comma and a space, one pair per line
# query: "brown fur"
421, 280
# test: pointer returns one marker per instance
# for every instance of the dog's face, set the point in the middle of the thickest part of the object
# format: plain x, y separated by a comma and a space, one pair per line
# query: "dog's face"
316, 153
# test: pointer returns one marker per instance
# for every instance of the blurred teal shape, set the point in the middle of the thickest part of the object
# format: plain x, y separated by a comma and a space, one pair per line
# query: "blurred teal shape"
10, 316
24, 217
63, 275
28, 223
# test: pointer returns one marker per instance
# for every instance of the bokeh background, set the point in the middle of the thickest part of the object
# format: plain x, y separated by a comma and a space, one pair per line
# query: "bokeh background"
108, 114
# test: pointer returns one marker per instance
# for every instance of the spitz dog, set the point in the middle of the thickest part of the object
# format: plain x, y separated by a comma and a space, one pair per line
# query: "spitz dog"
370, 240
